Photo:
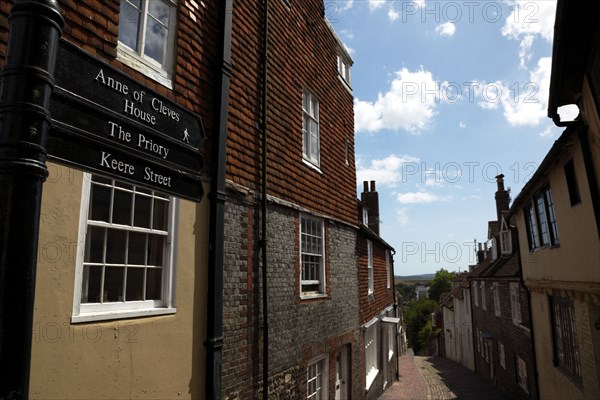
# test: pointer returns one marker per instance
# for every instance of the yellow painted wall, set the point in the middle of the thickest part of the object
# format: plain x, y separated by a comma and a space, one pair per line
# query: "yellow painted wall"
553, 383
155, 357
578, 256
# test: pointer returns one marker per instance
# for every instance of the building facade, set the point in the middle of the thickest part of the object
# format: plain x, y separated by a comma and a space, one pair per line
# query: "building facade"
381, 329
120, 301
457, 325
291, 223
557, 216
501, 316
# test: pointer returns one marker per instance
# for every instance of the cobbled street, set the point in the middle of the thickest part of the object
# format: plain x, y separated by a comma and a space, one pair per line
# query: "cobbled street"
437, 378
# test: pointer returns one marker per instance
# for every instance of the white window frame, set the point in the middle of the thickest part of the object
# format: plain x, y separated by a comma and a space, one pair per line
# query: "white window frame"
321, 378
496, 295
515, 304
371, 353
344, 70
501, 356
370, 266
388, 268
321, 292
310, 116
85, 312
163, 74
483, 299
391, 331
522, 374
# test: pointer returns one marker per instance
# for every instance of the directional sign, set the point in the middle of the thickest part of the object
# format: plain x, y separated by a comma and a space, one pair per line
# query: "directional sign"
106, 122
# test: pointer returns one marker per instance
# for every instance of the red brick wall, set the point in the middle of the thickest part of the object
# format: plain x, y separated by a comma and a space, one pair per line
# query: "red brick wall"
302, 55
93, 26
371, 306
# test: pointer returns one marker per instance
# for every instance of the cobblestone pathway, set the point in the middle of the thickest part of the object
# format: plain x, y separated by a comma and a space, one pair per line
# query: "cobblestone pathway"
437, 378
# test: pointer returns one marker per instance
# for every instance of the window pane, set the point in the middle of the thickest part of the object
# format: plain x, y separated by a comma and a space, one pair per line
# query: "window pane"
129, 24
160, 215
100, 179
135, 284
100, 207
159, 10
155, 250
156, 41
115, 246
137, 248
113, 284
141, 216
153, 283
122, 208
94, 244
90, 290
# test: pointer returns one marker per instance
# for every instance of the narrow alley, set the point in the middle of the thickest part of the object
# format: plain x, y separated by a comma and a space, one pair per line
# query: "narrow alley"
437, 378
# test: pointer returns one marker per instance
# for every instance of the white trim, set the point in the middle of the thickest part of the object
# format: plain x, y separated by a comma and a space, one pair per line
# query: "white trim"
125, 309
311, 165
322, 360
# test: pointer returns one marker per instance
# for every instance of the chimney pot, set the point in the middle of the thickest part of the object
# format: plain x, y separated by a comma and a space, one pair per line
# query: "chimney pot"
365, 186
373, 186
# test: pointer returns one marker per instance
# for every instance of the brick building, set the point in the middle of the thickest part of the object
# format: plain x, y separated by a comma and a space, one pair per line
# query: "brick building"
501, 315
376, 295
290, 208
144, 294
120, 299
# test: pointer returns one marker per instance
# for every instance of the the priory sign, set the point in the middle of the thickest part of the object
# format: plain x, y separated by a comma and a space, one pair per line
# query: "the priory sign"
105, 122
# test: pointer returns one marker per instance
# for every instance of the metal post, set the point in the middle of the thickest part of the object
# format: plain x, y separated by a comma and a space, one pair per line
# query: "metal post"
26, 84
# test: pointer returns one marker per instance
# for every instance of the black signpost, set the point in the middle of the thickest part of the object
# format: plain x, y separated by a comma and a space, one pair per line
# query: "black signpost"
105, 122
26, 85
97, 119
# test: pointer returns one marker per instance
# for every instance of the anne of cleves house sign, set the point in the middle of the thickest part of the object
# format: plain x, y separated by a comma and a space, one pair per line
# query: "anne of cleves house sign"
105, 122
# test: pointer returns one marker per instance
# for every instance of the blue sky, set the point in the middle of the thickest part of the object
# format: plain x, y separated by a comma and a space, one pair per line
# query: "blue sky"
448, 94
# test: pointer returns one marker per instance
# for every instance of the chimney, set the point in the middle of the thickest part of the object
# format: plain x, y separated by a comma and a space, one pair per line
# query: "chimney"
370, 201
502, 198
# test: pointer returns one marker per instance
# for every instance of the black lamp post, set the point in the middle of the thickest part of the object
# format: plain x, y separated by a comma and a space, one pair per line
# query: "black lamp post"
26, 84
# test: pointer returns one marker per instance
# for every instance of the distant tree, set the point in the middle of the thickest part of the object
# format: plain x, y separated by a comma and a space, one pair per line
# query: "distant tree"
416, 315
442, 282
426, 335
405, 292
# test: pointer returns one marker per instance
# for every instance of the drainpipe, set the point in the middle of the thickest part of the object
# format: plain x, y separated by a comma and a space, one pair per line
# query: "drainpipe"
396, 314
531, 330
218, 196
263, 242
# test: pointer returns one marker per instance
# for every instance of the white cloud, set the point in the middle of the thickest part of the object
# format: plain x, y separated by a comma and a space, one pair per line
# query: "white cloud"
526, 104
347, 33
420, 197
462, 125
527, 21
386, 171
349, 49
445, 29
347, 4
523, 103
402, 216
548, 132
375, 4
393, 14
408, 104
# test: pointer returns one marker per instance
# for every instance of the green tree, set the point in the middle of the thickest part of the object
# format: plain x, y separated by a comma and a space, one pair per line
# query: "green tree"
416, 315
442, 282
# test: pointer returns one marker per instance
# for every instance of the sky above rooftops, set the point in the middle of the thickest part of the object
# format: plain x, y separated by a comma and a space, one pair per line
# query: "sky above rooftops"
448, 95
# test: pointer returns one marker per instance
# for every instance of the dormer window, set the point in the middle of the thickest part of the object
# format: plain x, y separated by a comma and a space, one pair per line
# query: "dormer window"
344, 68
505, 239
